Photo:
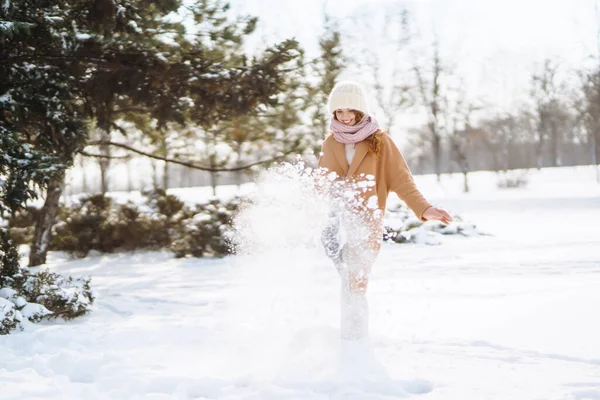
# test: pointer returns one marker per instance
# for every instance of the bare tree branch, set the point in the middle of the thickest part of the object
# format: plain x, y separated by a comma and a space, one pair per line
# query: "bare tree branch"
86, 154
186, 163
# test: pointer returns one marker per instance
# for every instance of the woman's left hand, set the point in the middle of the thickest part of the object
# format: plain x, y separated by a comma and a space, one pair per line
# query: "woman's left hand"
437, 214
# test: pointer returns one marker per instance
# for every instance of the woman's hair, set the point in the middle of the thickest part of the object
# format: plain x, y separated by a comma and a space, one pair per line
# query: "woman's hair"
374, 141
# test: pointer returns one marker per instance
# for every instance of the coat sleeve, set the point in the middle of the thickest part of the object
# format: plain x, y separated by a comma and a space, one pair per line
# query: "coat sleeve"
400, 180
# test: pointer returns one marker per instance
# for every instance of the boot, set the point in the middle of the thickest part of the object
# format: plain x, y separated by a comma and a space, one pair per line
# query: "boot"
331, 238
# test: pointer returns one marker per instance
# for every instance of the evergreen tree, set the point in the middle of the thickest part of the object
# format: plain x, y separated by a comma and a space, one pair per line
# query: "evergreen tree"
40, 107
67, 64
20, 168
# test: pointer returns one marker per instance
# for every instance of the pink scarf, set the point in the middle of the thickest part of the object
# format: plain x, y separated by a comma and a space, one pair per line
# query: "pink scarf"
356, 133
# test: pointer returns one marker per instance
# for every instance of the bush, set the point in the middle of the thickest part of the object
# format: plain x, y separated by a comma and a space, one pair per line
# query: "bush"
99, 223
67, 298
160, 202
403, 227
35, 296
208, 232
512, 179
9, 319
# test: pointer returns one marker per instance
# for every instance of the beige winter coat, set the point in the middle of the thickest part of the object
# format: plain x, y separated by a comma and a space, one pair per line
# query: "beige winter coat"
390, 171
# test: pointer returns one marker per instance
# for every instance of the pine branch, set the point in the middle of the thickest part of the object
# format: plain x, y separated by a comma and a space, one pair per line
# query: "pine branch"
39, 57
185, 163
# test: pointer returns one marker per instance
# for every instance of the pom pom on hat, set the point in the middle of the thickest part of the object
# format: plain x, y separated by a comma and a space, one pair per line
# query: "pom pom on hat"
347, 94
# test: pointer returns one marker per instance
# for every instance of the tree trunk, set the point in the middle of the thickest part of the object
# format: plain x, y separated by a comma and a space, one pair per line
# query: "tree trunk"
104, 164
213, 183
165, 153
45, 221
187, 177
466, 182
437, 154
539, 157
154, 174
165, 177
129, 178
595, 138
240, 174
556, 144
84, 182
212, 159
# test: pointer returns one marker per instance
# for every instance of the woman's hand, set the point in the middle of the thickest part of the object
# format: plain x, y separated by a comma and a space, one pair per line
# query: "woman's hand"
437, 214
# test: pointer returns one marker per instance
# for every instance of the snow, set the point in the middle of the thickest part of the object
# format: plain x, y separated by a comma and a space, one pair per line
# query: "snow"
135, 26
159, 56
6, 97
512, 315
83, 37
5, 307
8, 293
33, 310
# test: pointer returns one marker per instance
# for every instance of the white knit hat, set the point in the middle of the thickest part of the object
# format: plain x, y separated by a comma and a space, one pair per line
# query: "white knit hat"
347, 94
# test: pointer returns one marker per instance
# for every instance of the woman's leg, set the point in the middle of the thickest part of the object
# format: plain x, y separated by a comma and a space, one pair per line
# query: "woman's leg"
354, 305
353, 258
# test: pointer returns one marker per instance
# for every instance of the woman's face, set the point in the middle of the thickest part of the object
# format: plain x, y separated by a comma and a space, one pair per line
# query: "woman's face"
346, 116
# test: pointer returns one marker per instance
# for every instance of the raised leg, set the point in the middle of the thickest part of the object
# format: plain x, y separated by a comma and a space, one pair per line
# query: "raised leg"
354, 306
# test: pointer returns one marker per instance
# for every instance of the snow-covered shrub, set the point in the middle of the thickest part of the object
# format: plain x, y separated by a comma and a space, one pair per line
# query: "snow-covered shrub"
80, 228
8, 317
140, 230
207, 232
512, 179
67, 298
27, 296
160, 202
163, 221
99, 223
34, 312
401, 226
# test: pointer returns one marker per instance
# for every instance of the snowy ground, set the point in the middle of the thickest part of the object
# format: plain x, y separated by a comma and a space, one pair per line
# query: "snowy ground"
509, 316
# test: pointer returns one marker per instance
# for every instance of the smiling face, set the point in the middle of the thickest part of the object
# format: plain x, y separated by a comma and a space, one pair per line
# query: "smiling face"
346, 116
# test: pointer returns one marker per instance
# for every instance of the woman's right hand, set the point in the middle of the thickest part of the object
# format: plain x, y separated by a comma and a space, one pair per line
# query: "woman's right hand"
437, 214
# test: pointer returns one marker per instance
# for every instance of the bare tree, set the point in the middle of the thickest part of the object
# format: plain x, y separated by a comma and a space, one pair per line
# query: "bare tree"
500, 134
591, 115
546, 93
430, 92
460, 133
379, 58
591, 91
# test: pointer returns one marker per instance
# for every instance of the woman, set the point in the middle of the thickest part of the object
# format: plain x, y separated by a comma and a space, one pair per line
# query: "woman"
358, 149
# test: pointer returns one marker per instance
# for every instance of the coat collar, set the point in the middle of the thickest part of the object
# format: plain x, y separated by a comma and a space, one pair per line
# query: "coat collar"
340, 154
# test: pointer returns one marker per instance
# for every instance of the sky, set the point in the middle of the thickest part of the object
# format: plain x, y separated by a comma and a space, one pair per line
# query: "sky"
539, 27
493, 45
